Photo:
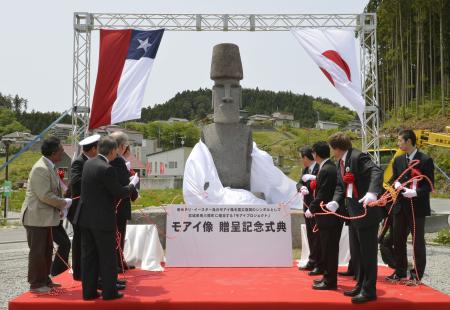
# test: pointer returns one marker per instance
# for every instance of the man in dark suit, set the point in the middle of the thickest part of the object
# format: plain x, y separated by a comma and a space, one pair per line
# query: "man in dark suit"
97, 219
89, 146
124, 206
411, 208
330, 226
311, 168
359, 183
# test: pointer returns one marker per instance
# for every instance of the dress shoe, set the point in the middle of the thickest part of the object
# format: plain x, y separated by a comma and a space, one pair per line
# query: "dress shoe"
117, 296
317, 281
97, 295
394, 277
40, 290
346, 273
353, 292
53, 284
121, 281
324, 286
315, 272
360, 298
309, 266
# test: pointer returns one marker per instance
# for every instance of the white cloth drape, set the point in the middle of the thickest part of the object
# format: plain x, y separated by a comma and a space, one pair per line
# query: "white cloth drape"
202, 186
142, 247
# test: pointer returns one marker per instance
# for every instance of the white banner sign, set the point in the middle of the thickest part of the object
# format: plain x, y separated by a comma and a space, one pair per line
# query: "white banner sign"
228, 236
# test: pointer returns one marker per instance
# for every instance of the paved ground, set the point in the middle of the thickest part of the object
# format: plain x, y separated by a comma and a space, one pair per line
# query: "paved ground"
440, 205
13, 265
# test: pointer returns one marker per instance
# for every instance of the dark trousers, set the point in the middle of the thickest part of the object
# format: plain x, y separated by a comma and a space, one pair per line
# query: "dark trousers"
76, 252
353, 264
61, 260
98, 258
329, 241
403, 224
314, 243
40, 256
367, 256
122, 229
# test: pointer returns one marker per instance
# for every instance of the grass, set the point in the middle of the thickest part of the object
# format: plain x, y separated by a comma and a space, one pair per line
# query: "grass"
443, 236
20, 168
158, 197
16, 200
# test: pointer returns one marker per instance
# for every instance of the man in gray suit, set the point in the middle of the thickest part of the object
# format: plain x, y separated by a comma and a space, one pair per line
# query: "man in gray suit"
41, 210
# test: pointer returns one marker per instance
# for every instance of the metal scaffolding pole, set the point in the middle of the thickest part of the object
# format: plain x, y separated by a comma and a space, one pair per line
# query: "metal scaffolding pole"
363, 24
368, 38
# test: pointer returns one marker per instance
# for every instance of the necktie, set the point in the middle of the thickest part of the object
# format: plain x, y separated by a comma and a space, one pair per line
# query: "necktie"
342, 167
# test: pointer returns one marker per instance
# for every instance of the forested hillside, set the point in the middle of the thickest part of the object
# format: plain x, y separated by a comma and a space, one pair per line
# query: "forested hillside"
195, 105
413, 57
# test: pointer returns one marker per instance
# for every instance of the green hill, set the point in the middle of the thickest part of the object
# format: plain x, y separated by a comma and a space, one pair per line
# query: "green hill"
195, 105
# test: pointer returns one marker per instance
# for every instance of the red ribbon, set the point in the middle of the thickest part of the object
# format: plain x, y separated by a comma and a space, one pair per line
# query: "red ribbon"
132, 172
415, 173
61, 174
313, 185
349, 178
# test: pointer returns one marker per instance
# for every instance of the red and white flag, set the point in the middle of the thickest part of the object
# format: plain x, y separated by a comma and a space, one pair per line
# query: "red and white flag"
125, 62
334, 51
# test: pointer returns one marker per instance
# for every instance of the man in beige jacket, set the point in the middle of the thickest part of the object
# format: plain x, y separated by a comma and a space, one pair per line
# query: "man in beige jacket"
41, 210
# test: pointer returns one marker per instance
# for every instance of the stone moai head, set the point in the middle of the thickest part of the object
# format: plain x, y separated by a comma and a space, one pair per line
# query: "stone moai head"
226, 71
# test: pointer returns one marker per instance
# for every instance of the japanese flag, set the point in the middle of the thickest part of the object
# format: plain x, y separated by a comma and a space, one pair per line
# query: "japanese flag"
334, 51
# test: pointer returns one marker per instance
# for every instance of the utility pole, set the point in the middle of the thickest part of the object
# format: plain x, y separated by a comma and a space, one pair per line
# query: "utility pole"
6, 184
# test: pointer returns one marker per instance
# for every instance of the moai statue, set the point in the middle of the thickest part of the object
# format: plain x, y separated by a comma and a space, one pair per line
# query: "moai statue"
229, 141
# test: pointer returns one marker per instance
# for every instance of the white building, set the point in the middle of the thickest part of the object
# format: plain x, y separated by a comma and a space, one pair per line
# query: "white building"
168, 163
284, 118
166, 169
177, 119
326, 125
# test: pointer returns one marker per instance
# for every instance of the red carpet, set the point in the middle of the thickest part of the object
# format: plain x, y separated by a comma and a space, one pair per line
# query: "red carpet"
232, 288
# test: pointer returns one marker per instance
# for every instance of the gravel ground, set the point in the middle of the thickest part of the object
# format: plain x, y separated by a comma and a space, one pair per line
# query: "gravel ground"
13, 268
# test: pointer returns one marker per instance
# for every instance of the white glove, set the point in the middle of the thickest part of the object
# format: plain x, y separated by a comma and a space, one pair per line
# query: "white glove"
368, 198
68, 203
63, 213
134, 180
397, 184
409, 193
308, 177
304, 190
332, 206
308, 214
128, 164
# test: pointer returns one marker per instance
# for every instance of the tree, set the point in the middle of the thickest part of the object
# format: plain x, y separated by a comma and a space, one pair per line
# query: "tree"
8, 122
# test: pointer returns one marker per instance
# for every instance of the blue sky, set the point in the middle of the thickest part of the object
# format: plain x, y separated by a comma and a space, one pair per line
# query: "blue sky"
36, 48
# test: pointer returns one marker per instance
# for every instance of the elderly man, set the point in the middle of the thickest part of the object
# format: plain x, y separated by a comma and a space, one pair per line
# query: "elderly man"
124, 205
41, 211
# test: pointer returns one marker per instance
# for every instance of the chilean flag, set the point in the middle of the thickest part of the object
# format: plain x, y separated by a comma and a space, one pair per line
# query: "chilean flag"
334, 51
126, 59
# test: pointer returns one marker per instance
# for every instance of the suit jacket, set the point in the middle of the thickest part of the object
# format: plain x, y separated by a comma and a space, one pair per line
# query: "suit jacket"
308, 198
124, 209
76, 171
368, 178
422, 201
43, 198
326, 183
99, 189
